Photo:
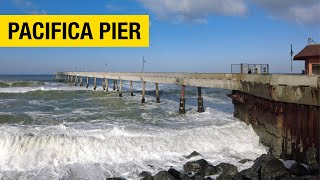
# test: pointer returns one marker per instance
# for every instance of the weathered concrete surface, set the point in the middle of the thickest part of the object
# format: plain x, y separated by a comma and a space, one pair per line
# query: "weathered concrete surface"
288, 129
299, 89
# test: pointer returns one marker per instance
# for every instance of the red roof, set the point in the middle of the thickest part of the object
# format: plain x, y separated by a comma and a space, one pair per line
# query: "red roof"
310, 51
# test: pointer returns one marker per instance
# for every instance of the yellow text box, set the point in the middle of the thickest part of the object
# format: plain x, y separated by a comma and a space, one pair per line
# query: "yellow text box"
74, 30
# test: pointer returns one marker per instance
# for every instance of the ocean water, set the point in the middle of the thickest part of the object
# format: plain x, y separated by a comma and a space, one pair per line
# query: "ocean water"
54, 130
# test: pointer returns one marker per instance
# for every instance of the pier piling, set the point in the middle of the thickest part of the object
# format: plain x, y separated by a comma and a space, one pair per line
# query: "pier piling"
182, 109
81, 82
157, 93
87, 82
143, 92
104, 85
107, 84
95, 83
200, 101
75, 80
117, 87
131, 89
114, 85
120, 92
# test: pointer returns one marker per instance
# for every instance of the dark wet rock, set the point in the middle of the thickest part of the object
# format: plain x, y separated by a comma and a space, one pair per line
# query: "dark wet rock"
202, 178
224, 176
144, 174
116, 178
242, 161
273, 169
193, 154
208, 171
148, 177
195, 166
312, 160
249, 174
298, 170
226, 168
238, 176
264, 158
163, 175
184, 177
176, 174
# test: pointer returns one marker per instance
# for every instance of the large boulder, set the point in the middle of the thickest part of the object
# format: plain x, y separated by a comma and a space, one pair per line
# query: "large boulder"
312, 160
250, 174
163, 175
193, 154
195, 167
176, 174
227, 169
224, 176
298, 170
273, 169
264, 158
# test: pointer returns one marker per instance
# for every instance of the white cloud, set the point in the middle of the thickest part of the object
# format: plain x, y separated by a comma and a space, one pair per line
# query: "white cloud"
300, 11
193, 10
28, 7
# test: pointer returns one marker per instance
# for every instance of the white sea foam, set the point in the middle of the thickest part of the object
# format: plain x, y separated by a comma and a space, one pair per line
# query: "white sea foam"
120, 149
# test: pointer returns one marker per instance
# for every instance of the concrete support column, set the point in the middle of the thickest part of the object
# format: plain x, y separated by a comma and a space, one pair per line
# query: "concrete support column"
114, 85
75, 80
117, 87
143, 92
95, 83
157, 93
81, 82
131, 89
104, 84
182, 109
87, 82
120, 91
200, 101
107, 84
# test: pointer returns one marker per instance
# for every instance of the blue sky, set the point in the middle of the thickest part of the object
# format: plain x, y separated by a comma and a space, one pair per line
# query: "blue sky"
185, 35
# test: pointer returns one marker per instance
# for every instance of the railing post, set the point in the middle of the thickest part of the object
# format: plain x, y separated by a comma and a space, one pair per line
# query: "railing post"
200, 101
182, 109
157, 93
143, 92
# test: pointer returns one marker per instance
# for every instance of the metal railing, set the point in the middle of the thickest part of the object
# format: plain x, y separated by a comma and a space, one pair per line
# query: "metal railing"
250, 68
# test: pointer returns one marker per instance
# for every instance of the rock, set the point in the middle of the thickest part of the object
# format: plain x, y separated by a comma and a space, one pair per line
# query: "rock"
193, 154
244, 161
298, 170
148, 177
208, 171
195, 166
144, 174
224, 176
203, 178
163, 175
184, 177
226, 168
116, 178
312, 160
238, 176
273, 169
260, 161
176, 174
249, 174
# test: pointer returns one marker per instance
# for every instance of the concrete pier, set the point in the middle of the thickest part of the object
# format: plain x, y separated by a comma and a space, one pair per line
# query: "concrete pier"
143, 100
182, 108
283, 109
157, 93
200, 101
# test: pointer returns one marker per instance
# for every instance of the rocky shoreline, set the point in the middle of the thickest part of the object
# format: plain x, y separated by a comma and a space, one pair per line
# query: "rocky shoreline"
265, 167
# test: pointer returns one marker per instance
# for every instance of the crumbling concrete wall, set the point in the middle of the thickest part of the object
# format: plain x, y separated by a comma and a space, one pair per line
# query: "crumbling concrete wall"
287, 129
